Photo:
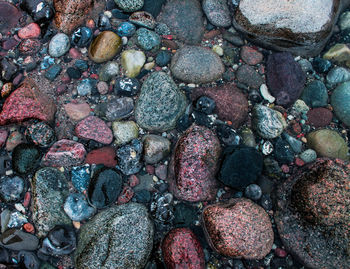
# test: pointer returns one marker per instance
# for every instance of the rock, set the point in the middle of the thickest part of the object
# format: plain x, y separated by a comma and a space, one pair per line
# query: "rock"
77, 112
319, 117
50, 189
129, 156
105, 156
129, 5
119, 108
217, 12
155, 148
81, 65
25, 158
315, 94
126, 29
267, 122
9, 16
106, 239
31, 30
344, 21
340, 100
241, 167
127, 86
29, 46
194, 164
64, 153
15, 138
321, 65
27, 102
184, 19
147, 39
102, 87
327, 143
160, 103
238, 229
8, 69
59, 45
108, 71
53, 72
3, 136
285, 78
339, 53
298, 32
196, 65
153, 6
248, 76
231, 103
77, 208
94, 128
125, 131
70, 14
85, 87
82, 37
163, 58
105, 46
251, 56
18, 240
308, 155
40, 10
312, 210
283, 152
143, 19
105, 187
181, 249
132, 62
11, 188
80, 178
338, 75
253, 192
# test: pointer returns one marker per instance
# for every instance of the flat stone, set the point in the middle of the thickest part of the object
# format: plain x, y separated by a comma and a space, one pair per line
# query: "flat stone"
9, 16
319, 117
194, 64
339, 53
77, 112
125, 131
248, 76
315, 94
94, 128
105, 156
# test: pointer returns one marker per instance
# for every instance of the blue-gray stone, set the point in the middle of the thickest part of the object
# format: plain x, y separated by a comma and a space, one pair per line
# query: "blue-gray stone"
340, 101
315, 94
147, 39
81, 177
81, 64
53, 72
59, 45
85, 87
126, 29
77, 207
129, 157
338, 75
11, 188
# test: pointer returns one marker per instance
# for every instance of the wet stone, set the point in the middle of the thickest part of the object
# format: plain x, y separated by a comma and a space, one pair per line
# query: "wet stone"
253, 192
73, 73
147, 39
81, 37
59, 45
340, 101
217, 12
119, 108
163, 58
14, 239
28, 259
104, 47
319, 117
94, 128
41, 134
125, 131
338, 75
126, 29
127, 86
105, 156
80, 177
108, 71
25, 158
129, 157
53, 72
11, 188
9, 16
155, 147
77, 207
283, 152
248, 76
315, 94
85, 87
129, 5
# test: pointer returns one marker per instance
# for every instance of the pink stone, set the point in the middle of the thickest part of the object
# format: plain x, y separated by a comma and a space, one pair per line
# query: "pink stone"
133, 181
105, 156
31, 30
77, 112
74, 53
3, 137
14, 139
150, 169
126, 195
161, 171
251, 56
280, 252
94, 128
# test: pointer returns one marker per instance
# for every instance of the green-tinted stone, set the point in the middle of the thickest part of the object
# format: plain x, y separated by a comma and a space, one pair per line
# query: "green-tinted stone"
25, 158
340, 101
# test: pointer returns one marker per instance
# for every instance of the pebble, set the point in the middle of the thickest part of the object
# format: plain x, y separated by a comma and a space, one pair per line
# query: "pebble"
253, 192
15, 239
163, 58
321, 65
108, 71
264, 91
31, 30
80, 177
53, 72
247, 75
127, 86
315, 94
132, 62
126, 29
129, 157
105, 46
340, 101
102, 87
308, 155
85, 87
217, 12
29, 259
338, 75
129, 5
125, 131
143, 19
205, 104
81, 65
339, 53
105, 156
3, 136
82, 37
77, 112
59, 45
25, 158
251, 56
11, 188
156, 148
147, 39
73, 73
319, 117
119, 108
283, 152
94, 128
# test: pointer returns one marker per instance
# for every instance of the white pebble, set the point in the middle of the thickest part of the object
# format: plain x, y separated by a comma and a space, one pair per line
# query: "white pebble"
265, 94
20, 208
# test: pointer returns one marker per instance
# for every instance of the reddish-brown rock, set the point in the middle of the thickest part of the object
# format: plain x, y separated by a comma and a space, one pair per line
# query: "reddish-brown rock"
319, 117
64, 153
31, 30
94, 128
71, 13
194, 165
29, 46
105, 156
238, 229
27, 102
77, 112
182, 250
231, 103
251, 56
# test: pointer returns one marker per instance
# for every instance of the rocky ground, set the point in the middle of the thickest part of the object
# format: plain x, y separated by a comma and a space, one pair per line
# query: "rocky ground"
174, 134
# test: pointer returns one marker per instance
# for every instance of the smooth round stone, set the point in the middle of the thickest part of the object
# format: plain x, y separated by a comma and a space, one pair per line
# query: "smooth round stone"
129, 5
108, 71
125, 131
155, 147
253, 192
25, 158
129, 157
338, 75
11, 188
143, 19
59, 45
41, 134
125, 239
147, 39
77, 112
77, 207
102, 87
85, 87
119, 108
94, 128
14, 239
328, 143
308, 155
267, 122
127, 86
315, 94
82, 37
319, 117
163, 58
160, 103
340, 101
105, 46
217, 12
126, 29
132, 62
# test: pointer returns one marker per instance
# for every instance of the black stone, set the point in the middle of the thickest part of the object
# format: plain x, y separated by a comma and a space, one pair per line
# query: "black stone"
241, 167
227, 135
119, 14
253, 192
201, 119
73, 73
82, 65
185, 215
255, 96
153, 6
25, 158
143, 196
105, 187
82, 37
127, 86
8, 69
163, 58
4, 255
43, 14
321, 65
205, 104
28, 259
103, 22
129, 157
266, 201
283, 151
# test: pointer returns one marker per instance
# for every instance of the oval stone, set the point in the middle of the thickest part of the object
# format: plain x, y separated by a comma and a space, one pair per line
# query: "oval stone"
340, 101
194, 165
105, 46
94, 128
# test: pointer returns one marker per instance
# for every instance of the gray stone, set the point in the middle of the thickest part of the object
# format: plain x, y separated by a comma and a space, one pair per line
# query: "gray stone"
147, 39
124, 131
340, 101
344, 21
108, 71
315, 94
118, 237
50, 189
338, 75
308, 155
267, 122
59, 45
119, 108
217, 12
18, 240
77, 207
155, 148
194, 64
160, 103
85, 87
129, 5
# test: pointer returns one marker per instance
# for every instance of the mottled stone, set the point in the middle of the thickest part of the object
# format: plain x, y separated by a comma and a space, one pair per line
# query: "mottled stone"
155, 148
31, 30
129, 5
77, 112
143, 19
41, 134
105, 46
9, 16
124, 131
340, 101
94, 128
248, 76
59, 45
194, 165
315, 94
319, 117
238, 229
251, 56
132, 62
217, 12
339, 53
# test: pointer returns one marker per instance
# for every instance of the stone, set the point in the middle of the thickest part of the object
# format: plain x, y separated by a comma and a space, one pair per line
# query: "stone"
14, 239
15, 138
25, 158
77, 208
85, 86
160, 103
59, 45
155, 148
129, 156
248, 76
94, 128
308, 155
163, 58
267, 122
50, 189
321, 65
319, 117
315, 94
253, 192
27, 102
106, 239
153, 7
129, 5
344, 20
125, 131
217, 12
184, 19
231, 103
132, 62
53, 72
9, 16
108, 71
80, 177
119, 108
105, 46
339, 53
195, 64
327, 143
300, 27
143, 19
182, 249
77, 112
251, 56
71, 14
194, 165
285, 78
240, 167
338, 75
127, 86
238, 229
312, 209
3, 136
102, 87
31, 30
340, 101
82, 37
126, 29
29, 46
64, 153
105, 156
283, 151
147, 39
11, 188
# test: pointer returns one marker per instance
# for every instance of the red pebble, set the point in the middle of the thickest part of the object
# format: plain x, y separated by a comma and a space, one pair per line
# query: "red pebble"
31, 30
251, 56
285, 168
133, 181
3, 136
299, 162
74, 53
29, 228
26, 199
94, 76
150, 169
280, 252
181, 249
169, 37
158, 68
126, 195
